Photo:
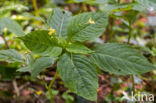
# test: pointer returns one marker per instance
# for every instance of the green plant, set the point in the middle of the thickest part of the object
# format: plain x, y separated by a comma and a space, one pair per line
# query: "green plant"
77, 64
68, 98
115, 9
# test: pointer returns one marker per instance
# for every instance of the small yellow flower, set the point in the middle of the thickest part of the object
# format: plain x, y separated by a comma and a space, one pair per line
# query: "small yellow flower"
51, 31
90, 21
39, 92
36, 56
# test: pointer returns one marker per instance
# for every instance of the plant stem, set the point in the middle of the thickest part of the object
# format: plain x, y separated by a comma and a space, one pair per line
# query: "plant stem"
118, 1
111, 33
5, 41
133, 84
84, 7
50, 85
152, 60
35, 7
128, 42
130, 33
47, 1
111, 23
152, 88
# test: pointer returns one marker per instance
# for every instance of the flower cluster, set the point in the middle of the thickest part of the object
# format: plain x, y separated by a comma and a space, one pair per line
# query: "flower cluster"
51, 31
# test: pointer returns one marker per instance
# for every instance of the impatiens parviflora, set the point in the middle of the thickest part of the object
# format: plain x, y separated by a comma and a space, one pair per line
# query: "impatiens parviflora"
51, 31
90, 21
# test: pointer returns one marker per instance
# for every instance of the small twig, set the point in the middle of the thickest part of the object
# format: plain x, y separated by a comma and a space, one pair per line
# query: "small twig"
15, 87
24, 85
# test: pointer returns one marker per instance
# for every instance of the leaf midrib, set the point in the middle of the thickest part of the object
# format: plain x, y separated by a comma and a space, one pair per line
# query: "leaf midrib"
40, 43
84, 27
81, 76
61, 25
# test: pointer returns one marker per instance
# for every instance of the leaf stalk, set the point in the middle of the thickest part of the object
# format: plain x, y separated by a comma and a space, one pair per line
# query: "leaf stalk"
50, 89
35, 7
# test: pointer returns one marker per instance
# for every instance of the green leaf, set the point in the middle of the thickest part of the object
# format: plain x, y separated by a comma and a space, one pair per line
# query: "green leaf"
58, 20
120, 59
80, 30
29, 61
36, 66
78, 48
24, 69
93, 1
145, 5
79, 75
116, 7
12, 26
40, 64
41, 43
10, 55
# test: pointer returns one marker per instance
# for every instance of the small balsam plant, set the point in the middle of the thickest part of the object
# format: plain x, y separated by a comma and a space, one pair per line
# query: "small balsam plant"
77, 65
